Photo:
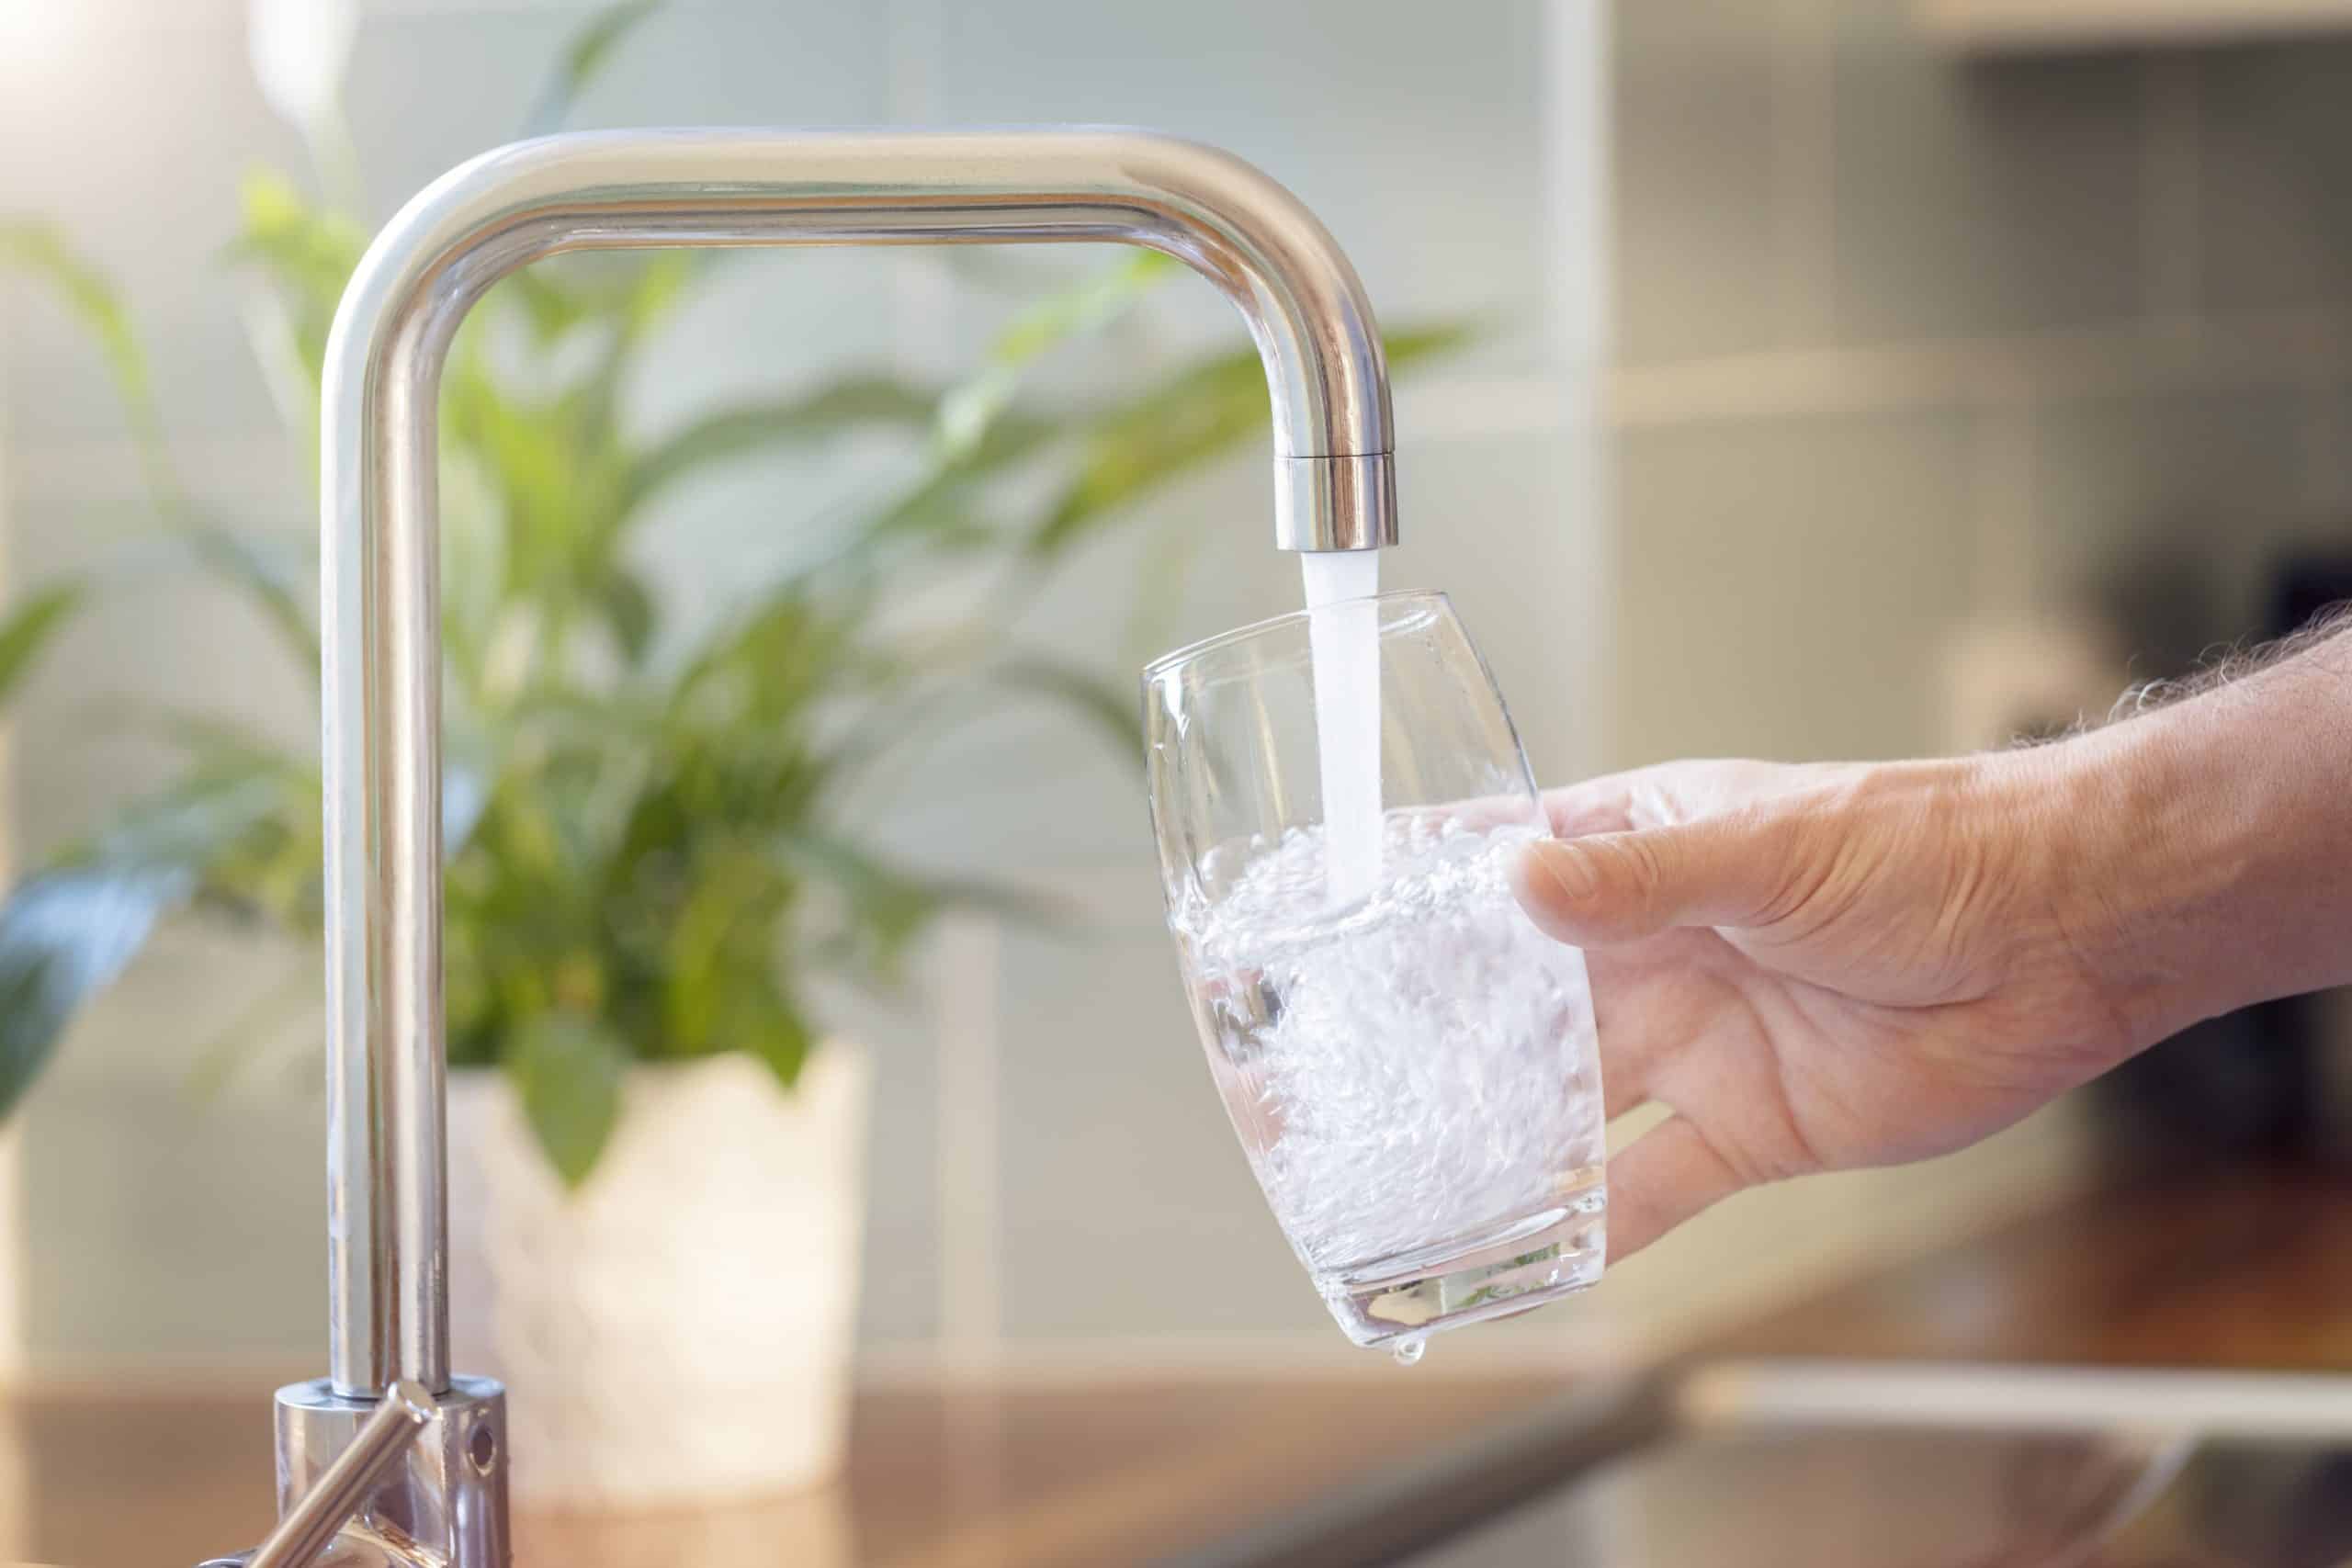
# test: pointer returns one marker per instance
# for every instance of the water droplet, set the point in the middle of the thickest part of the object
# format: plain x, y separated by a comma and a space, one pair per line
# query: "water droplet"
1409, 1351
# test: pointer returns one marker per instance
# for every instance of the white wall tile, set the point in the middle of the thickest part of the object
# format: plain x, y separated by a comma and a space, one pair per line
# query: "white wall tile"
1979, 198
1412, 136
1695, 114
1784, 586
1128, 1206
2169, 512
132, 139
2275, 149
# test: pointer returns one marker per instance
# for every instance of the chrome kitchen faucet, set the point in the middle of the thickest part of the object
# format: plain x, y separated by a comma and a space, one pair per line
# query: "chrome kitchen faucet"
390, 1459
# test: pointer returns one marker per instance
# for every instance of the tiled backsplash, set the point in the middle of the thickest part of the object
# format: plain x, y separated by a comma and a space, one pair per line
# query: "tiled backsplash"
1900, 346
1907, 342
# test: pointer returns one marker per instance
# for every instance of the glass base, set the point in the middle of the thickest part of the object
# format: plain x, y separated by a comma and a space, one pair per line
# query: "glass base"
1499, 1272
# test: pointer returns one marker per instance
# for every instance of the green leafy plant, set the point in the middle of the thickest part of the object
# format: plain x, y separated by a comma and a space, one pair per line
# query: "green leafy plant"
27, 630
649, 853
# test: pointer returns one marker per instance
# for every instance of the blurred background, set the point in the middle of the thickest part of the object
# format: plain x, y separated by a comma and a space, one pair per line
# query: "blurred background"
1833, 378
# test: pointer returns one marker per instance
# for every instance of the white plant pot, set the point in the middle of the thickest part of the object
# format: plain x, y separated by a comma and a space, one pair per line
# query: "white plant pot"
680, 1330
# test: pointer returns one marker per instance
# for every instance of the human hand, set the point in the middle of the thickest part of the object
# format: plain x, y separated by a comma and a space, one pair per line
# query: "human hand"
1825, 967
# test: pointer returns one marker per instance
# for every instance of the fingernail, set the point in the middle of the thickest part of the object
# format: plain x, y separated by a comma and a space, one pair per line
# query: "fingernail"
1570, 869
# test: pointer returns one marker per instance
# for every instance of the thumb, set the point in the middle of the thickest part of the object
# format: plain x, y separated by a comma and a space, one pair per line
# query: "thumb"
1730, 870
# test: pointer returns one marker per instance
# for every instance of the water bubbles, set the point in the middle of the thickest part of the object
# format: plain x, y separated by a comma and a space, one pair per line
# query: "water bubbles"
1409, 1352
1416, 1070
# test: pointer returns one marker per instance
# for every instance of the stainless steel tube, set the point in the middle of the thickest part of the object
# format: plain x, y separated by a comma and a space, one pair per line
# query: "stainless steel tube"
1335, 490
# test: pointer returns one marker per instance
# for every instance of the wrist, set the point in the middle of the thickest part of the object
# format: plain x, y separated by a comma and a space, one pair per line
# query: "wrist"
2206, 851
2140, 863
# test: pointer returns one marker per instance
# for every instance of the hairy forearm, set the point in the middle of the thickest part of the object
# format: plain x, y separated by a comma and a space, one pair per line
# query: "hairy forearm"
2209, 840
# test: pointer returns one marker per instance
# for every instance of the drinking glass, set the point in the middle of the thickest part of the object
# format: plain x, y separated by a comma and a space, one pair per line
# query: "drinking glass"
1409, 1064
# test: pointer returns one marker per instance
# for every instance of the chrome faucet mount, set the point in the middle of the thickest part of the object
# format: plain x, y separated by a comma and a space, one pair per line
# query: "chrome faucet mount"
390, 1460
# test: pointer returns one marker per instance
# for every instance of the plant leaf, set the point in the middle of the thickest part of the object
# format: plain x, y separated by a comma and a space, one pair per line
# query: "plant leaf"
557, 479
27, 631
318, 254
69, 930
567, 1071
1093, 302
736, 432
548, 302
274, 575
217, 742
976, 431
772, 1028
283, 598
41, 251
628, 611
1195, 415
719, 946
307, 254
721, 988
885, 908
64, 937
270, 1014
1022, 906
1111, 709
582, 58
889, 908
473, 561
628, 292
654, 289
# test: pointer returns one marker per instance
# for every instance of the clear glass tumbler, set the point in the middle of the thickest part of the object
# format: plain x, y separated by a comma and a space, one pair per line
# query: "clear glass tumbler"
1409, 1064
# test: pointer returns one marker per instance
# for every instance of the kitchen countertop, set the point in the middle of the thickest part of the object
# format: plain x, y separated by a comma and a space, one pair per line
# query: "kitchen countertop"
2241, 1273
2250, 1272
936, 1478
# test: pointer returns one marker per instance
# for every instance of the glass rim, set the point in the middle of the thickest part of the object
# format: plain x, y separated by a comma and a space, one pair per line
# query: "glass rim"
1208, 645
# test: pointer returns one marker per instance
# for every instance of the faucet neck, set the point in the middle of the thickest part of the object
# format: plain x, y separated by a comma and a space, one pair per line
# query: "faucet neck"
1335, 490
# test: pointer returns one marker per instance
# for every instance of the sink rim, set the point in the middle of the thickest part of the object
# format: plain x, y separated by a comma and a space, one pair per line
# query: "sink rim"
2015, 1397
1424, 1502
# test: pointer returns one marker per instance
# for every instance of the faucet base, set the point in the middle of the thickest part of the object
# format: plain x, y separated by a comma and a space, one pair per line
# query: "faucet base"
445, 1505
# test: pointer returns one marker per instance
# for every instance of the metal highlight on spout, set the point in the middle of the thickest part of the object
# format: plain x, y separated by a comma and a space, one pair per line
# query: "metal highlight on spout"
1335, 490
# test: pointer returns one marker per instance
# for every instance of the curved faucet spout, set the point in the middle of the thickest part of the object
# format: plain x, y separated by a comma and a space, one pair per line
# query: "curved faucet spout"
1334, 490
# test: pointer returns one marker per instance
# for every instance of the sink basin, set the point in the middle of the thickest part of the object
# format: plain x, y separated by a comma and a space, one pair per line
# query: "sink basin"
1777, 1464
